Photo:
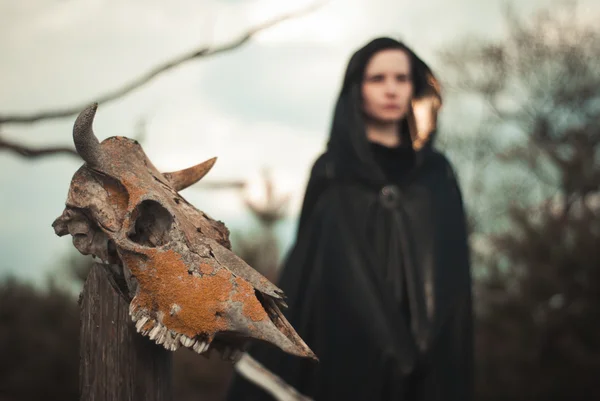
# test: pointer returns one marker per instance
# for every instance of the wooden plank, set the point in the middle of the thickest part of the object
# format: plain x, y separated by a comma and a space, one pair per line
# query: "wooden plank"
116, 363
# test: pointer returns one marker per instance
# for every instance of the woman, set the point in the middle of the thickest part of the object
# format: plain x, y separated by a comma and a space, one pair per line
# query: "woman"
378, 282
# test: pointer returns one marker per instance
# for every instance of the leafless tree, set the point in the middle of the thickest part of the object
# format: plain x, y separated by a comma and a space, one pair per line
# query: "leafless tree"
538, 159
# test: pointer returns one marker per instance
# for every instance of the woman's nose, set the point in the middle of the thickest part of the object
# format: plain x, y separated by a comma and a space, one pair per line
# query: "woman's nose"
391, 88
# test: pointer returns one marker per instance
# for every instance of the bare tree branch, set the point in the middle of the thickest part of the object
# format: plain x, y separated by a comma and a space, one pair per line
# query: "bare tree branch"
147, 77
32, 152
220, 185
36, 152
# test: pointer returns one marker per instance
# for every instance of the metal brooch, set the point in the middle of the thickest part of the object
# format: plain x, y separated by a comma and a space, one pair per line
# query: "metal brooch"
390, 196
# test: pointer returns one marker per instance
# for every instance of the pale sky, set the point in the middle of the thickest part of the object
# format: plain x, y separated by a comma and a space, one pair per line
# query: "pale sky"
267, 103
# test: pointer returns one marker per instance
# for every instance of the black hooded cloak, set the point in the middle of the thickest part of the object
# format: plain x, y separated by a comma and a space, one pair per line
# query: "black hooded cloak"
378, 281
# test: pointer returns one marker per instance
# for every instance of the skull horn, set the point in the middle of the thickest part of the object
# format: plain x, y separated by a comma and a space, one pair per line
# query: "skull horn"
86, 143
184, 178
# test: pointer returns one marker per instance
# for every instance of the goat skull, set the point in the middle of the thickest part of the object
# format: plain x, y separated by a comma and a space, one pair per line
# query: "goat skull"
185, 285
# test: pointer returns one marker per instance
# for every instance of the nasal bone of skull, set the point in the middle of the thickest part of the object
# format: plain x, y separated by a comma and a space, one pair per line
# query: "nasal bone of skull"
60, 224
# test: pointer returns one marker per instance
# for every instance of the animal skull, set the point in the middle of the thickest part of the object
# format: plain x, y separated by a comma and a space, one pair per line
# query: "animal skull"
185, 285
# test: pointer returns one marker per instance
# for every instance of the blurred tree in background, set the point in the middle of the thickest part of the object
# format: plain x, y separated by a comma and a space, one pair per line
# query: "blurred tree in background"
39, 343
535, 199
260, 248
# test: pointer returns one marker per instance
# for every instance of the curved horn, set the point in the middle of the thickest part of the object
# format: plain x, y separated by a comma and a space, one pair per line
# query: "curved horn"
86, 143
182, 179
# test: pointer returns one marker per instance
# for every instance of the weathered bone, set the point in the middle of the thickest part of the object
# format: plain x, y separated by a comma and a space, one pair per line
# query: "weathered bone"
182, 179
86, 143
184, 283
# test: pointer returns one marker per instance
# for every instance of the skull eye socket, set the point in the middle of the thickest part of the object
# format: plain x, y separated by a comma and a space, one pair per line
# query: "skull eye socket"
152, 226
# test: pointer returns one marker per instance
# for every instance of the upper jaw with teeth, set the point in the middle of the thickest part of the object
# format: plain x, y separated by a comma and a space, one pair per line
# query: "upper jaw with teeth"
185, 285
170, 339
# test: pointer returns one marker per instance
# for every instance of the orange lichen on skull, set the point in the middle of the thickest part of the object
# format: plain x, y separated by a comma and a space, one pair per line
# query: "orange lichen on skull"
252, 307
164, 281
205, 268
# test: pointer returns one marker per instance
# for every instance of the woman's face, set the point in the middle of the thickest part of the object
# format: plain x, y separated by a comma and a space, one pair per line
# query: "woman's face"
387, 87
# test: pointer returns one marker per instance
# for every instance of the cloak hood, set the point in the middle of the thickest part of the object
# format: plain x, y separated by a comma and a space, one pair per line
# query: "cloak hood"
348, 145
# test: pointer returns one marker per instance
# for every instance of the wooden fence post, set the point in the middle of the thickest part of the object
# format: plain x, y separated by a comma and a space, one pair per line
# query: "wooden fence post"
117, 363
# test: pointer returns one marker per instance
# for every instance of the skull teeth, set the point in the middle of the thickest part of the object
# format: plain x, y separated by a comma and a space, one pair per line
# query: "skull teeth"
169, 339
136, 313
140, 323
162, 337
200, 346
174, 344
186, 341
155, 332
163, 334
